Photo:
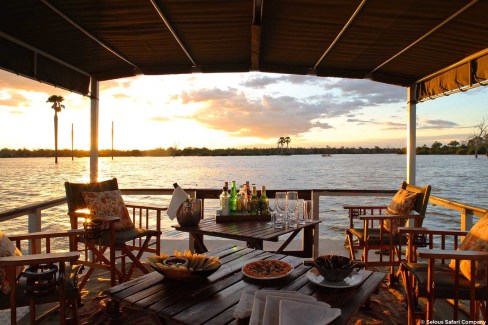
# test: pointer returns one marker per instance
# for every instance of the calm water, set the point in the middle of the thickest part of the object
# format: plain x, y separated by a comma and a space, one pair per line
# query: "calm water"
459, 178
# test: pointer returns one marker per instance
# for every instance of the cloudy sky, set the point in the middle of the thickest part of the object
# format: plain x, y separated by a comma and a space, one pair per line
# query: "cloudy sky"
233, 110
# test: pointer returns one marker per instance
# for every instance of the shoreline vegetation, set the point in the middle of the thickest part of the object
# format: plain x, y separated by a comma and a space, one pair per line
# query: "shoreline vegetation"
437, 148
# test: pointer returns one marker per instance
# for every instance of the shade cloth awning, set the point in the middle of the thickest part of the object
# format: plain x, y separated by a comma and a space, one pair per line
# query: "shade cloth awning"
440, 46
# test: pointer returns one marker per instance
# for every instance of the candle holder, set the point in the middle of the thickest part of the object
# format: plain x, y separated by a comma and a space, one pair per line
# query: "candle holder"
92, 228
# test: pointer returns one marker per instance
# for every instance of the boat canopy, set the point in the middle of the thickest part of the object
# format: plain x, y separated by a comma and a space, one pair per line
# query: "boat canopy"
435, 46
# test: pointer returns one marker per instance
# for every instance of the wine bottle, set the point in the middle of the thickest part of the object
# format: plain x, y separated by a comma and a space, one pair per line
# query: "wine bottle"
254, 201
264, 202
233, 198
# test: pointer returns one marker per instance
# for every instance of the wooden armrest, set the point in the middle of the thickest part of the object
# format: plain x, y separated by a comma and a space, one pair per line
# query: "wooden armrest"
383, 207
432, 231
40, 235
452, 254
108, 219
389, 216
145, 206
39, 259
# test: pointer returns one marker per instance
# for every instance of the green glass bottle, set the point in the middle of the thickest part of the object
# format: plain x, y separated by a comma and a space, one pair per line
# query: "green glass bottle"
233, 198
254, 201
264, 202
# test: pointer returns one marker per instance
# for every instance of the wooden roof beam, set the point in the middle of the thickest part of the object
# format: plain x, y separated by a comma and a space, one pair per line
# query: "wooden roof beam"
175, 36
256, 34
430, 32
338, 37
137, 70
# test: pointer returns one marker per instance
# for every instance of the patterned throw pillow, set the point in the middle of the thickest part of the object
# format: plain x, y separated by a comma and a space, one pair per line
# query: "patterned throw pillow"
475, 240
109, 204
7, 248
401, 204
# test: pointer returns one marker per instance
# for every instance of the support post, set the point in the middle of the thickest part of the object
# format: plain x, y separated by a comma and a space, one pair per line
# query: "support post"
94, 129
315, 216
34, 225
411, 134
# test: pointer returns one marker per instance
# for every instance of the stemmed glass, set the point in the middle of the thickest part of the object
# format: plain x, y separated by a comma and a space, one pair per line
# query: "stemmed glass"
291, 203
307, 211
272, 209
279, 221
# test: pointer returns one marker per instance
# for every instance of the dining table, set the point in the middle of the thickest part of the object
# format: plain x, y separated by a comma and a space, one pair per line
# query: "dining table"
254, 233
213, 299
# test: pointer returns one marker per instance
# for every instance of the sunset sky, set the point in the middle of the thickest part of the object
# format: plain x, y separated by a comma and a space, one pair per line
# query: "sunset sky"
233, 110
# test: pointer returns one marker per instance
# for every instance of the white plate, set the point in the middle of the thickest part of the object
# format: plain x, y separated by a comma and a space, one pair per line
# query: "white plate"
267, 277
352, 280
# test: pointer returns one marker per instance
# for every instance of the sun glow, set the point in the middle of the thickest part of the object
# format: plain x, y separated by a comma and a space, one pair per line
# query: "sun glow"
230, 110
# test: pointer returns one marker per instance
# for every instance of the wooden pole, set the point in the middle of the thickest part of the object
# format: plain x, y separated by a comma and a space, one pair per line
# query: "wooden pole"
112, 140
72, 142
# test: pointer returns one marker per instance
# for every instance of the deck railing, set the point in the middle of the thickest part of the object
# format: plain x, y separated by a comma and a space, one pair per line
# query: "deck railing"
34, 211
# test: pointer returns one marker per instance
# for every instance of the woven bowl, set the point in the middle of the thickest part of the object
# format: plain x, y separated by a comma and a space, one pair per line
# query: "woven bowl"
180, 272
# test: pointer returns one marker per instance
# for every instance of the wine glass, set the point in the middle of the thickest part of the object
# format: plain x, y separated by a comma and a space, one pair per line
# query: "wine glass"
279, 221
307, 211
291, 204
300, 213
272, 210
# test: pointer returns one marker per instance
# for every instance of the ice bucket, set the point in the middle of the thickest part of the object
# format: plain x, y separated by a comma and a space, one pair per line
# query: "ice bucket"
189, 213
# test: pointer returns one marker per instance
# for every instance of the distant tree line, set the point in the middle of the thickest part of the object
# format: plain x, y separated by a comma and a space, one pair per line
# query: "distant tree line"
437, 148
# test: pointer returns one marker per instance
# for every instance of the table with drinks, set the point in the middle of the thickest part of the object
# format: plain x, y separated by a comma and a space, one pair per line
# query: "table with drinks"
245, 216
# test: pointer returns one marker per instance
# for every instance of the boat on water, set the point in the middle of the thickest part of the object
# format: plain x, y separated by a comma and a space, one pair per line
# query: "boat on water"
326, 155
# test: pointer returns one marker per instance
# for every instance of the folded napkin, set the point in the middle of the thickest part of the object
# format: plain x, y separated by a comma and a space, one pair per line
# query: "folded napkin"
271, 315
244, 307
179, 196
292, 313
260, 302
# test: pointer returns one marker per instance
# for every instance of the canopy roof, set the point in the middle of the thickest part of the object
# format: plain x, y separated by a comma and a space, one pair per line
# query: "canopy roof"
439, 46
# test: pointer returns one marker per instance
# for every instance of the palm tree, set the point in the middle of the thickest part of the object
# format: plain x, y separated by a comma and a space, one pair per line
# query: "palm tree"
281, 141
57, 106
287, 141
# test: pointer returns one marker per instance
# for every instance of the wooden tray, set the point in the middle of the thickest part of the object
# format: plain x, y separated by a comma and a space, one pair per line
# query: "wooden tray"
239, 217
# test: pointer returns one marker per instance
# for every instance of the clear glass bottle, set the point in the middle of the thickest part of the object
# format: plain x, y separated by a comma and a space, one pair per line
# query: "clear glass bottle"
233, 198
264, 202
224, 201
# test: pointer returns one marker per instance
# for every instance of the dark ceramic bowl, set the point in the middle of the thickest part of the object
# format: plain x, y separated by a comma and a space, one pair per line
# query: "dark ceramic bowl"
334, 268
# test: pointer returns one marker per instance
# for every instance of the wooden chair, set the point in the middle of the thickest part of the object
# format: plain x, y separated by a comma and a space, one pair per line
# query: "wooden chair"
66, 290
374, 236
131, 243
430, 282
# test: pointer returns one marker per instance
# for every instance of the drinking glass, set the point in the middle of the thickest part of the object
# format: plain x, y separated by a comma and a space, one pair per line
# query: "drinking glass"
272, 210
291, 204
279, 220
300, 213
307, 211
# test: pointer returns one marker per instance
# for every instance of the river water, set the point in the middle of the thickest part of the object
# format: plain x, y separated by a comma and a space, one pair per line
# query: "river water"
459, 178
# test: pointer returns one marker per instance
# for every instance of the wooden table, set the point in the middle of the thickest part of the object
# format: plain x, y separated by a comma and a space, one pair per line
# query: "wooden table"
254, 233
213, 300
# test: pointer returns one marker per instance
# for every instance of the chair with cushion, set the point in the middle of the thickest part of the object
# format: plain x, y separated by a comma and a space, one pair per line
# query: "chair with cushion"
380, 226
448, 280
128, 229
40, 278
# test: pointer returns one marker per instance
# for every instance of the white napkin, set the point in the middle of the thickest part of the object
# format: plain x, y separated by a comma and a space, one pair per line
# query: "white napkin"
260, 302
179, 196
292, 313
244, 307
272, 308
